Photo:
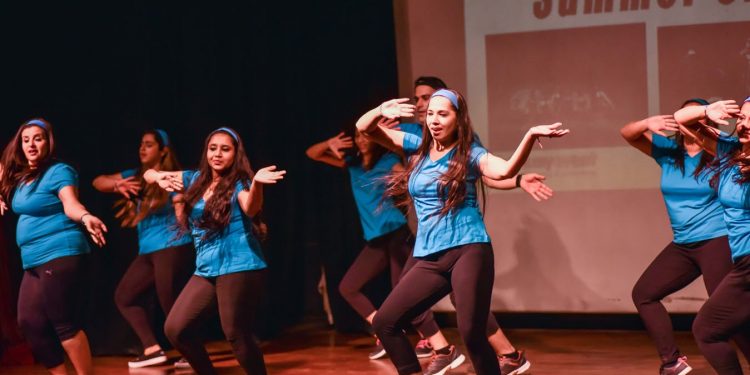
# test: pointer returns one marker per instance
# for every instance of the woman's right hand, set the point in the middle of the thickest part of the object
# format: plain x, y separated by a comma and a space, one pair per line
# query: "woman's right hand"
719, 112
170, 181
338, 143
127, 186
396, 108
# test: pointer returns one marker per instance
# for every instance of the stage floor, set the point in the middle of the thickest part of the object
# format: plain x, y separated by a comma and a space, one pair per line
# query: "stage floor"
312, 348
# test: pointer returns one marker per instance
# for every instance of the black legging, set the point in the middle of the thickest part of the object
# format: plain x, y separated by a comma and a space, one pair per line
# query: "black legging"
389, 251
469, 271
725, 315
673, 269
165, 271
48, 299
237, 296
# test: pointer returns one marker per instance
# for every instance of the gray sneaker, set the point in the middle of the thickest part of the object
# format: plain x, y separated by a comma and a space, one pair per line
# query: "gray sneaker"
510, 366
441, 363
680, 367
378, 351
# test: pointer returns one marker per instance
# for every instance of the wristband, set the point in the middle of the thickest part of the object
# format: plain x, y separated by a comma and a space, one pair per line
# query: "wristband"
518, 180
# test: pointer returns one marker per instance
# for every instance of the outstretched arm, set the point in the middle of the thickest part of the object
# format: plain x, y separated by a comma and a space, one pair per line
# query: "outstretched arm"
251, 201
77, 212
114, 183
375, 123
167, 180
689, 118
532, 183
497, 168
330, 150
639, 133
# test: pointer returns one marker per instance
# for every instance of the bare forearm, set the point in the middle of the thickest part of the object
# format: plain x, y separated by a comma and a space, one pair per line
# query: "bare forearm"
634, 130
367, 122
504, 184
690, 115
105, 183
519, 157
254, 202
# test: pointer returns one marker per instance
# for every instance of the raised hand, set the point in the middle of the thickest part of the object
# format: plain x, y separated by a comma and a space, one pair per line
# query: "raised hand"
268, 175
127, 186
661, 123
338, 143
396, 108
96, 229
552, 130
389, 123
719, 112
533, 184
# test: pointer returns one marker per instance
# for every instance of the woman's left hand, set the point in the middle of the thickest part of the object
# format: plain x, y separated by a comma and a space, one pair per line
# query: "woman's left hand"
96, 229
268, 175
533, 184
552, 130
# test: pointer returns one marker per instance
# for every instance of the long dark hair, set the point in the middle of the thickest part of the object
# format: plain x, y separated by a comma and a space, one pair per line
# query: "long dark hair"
452, 183
15, 167
678, 155
218, 209
152, 197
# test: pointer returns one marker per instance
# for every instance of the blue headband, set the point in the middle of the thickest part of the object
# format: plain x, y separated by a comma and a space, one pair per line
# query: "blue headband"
164, 137
230, 131
38, 123
447, 94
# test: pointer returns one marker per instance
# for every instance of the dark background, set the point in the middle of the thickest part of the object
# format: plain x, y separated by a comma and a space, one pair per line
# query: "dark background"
285, 74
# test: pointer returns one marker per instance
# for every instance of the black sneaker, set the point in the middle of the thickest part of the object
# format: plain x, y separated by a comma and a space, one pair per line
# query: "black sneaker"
510, 366
378, 352
441, 363
155, 358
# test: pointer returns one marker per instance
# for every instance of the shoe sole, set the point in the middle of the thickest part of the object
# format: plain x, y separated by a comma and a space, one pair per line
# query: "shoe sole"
525, 367
424, 355
150, 362
456, 362
377, 355
685, 370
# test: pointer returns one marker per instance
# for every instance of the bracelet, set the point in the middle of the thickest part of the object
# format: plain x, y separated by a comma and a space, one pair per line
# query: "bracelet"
82, 216
518, 179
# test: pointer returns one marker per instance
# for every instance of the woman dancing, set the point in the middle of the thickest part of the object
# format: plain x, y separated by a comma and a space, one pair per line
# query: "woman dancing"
44, 193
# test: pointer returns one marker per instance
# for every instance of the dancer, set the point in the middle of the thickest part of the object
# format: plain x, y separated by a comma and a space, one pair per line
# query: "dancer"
384, 227
44, 193
165, 258
727, 312
700, 245
221, 198
452, 246
512, 360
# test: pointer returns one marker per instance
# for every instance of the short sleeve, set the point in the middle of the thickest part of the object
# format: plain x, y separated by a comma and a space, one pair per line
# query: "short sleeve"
411, 143
662, 148
60, 176
128, 173
726, 145
477, 152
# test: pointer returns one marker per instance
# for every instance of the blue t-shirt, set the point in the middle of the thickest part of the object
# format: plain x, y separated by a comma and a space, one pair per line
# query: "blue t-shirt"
44, 233
158, 230
461, 226
377, 214
694, 210
733, 198
234, 249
